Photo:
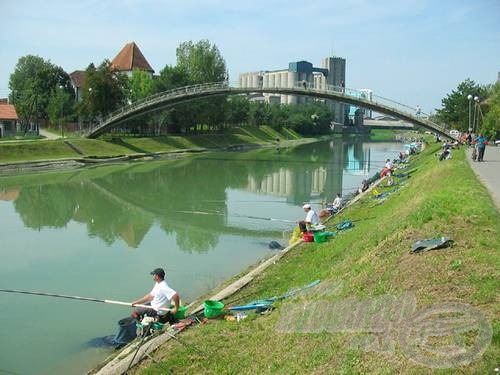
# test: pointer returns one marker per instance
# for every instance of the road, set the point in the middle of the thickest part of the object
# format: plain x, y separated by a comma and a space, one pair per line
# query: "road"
488, 171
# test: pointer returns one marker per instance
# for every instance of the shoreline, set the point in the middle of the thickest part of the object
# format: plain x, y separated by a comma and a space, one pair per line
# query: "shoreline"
132, 354
47, 165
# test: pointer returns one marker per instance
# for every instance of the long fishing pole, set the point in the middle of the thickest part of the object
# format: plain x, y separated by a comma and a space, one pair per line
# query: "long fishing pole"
264, 218
79, 298
235, 215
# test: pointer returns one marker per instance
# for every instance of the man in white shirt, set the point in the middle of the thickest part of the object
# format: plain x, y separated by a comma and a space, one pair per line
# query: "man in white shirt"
332, 208
311, 218
160, 298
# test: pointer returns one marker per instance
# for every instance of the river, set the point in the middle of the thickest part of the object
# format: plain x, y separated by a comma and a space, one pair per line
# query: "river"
98, 232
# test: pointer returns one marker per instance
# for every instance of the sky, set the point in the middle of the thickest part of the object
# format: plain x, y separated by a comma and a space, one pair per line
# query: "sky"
414, 52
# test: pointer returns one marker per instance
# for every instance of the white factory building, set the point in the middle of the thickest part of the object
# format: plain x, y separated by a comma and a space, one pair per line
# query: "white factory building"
331, 73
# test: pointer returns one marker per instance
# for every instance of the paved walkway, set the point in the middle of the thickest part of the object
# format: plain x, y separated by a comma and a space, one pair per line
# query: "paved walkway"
488, 171
48, 135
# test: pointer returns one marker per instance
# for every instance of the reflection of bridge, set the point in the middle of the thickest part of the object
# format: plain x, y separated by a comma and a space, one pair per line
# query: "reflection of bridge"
189, 93
320, 178
176, 220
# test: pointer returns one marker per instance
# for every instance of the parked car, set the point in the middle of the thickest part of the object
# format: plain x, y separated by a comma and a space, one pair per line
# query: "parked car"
455, 133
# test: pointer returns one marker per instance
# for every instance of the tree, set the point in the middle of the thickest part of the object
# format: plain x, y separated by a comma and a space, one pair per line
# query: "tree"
105, 90
203, 63
258, 113
491, 122
455, 106
141, 85
32, 84
237, 110
170, 77
59, 107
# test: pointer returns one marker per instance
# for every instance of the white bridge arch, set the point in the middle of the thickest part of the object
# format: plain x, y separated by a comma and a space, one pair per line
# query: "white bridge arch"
185, 94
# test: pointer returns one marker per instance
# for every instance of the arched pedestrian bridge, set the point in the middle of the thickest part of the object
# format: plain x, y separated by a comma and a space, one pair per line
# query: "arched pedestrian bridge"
176, 96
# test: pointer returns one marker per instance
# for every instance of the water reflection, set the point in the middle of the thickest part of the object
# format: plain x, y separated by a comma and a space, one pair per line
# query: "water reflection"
187, 197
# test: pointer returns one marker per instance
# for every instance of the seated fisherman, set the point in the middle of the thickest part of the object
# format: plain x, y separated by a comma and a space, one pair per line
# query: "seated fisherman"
364, 187
388, 168
160, 298
311, 218
333, 207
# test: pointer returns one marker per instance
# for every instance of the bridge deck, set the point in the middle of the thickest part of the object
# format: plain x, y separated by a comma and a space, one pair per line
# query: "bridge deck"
189, 93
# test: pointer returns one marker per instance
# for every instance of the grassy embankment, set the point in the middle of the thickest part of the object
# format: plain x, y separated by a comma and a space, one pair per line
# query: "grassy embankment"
372, 259
23, 151
57, 149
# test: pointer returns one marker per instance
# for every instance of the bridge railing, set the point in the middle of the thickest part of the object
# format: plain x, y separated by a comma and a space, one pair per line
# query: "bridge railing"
415, 112
177, 92
296, 86
357, 94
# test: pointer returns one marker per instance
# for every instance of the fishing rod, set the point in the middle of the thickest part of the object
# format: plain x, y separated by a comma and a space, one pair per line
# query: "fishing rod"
264, 218
79, 298
235, 215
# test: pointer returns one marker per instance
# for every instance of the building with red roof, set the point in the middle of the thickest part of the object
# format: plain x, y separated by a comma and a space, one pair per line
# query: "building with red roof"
129, 58
77, 80
8, 119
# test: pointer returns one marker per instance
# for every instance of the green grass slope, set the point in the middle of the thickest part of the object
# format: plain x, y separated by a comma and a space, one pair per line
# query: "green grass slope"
370, 260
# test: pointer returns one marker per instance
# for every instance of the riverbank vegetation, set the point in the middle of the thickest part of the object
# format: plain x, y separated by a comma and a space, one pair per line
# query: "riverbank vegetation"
114, 146
370, 260
473, 106
118, 146
42, 94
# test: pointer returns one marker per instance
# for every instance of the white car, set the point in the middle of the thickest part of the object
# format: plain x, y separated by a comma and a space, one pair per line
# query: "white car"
455, 133
497, 142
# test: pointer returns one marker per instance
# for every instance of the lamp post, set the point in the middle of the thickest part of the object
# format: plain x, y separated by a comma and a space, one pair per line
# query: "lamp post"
476, 114
90, 119
469, 98
61, 87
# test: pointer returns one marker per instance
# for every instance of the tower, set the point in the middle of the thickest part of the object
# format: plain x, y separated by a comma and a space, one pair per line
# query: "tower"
335, 77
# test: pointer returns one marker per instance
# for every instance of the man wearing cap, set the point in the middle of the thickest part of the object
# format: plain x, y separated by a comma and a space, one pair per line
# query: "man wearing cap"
160, 297
311, 218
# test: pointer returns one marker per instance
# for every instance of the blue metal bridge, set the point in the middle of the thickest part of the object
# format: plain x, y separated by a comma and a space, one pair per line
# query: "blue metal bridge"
180, 95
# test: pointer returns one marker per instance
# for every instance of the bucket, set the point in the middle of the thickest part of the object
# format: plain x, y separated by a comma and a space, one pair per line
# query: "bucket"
181, 313
308, 237
126, 331
212, 308
320, 237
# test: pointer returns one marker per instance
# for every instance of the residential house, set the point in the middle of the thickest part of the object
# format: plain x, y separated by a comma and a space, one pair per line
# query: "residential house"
8, 120
130, 58
77, 80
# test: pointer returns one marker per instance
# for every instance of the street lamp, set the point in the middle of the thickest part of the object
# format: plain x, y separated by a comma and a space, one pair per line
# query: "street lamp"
469, 98
61, 87
90, 118
476, 114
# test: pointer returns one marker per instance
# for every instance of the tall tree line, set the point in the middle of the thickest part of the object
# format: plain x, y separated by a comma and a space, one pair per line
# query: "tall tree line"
41, 91
472, 105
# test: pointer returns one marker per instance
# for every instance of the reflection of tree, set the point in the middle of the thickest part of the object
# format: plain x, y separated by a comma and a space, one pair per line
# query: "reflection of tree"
194, 239
124, 204
45, 206
107, 219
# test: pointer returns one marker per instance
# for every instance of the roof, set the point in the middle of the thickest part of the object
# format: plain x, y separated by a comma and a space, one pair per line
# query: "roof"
130, 58
8, 112
78, 78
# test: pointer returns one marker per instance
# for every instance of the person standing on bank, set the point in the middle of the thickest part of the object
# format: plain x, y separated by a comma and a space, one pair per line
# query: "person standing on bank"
481, 146
161, 296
